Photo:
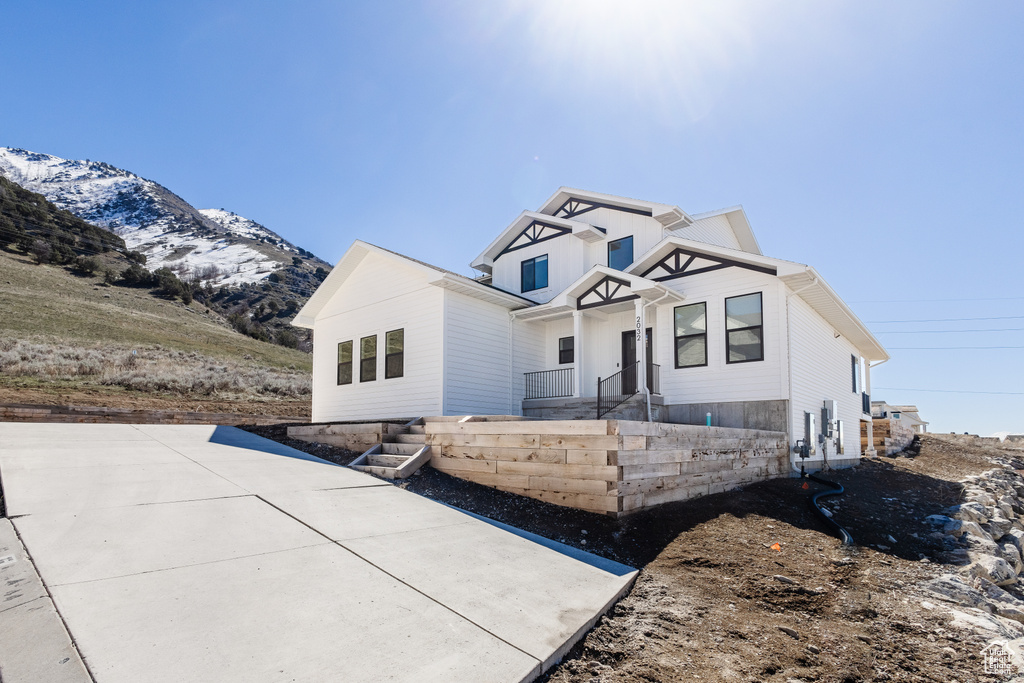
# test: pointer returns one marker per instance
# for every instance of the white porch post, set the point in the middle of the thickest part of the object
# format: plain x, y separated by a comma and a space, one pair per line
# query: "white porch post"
641, 346
869, 451
577, 353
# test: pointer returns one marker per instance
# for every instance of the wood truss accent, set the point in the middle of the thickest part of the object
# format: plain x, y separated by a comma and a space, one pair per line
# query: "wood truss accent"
605, 292
533, 233
683, 263
574, 207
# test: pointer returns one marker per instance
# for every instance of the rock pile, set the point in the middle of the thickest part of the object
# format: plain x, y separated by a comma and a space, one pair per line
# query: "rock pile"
985, 535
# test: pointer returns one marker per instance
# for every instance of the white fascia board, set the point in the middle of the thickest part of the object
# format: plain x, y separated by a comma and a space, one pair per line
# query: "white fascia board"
812, 288
474, 289
668, 244
331, 284
485, 261
564, 193
740, 225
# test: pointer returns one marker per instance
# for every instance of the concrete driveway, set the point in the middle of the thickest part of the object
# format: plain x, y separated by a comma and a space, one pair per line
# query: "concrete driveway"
194, 553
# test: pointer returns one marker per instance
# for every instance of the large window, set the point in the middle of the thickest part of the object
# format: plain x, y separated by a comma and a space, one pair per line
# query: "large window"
368, 359
345, 362
620, 253
691, 335
535, 273
394, 354
744, 330
566, 348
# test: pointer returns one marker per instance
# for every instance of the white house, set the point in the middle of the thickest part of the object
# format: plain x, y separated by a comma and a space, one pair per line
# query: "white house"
567, 294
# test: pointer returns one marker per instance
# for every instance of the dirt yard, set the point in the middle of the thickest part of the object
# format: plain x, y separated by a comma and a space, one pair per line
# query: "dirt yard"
716, 602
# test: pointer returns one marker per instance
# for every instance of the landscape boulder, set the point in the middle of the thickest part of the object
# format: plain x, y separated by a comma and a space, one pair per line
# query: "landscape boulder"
968, 512
994, 569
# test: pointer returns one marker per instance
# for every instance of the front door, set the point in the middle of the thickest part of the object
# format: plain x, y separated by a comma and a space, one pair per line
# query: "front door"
629, 376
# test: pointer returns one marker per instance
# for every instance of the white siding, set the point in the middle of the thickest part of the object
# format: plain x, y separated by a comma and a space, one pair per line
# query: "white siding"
821, 371
712, 230
476, 353
528, 355
382, 294
720, 381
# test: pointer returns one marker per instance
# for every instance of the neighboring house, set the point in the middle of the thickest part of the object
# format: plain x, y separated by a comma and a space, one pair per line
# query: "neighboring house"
907, 415
567, 294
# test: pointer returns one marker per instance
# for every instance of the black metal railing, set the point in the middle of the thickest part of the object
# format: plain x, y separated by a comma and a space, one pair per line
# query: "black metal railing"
613, 390
549, 383
865, 403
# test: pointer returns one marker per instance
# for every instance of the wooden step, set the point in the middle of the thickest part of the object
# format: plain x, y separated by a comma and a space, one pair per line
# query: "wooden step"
400, 448
380, 460
410, 438
417, 429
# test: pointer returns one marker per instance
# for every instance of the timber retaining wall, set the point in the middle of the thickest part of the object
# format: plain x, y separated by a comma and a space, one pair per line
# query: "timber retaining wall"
613, 467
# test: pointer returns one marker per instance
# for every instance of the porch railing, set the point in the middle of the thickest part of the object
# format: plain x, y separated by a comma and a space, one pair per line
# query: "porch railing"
549, 383
865, 403
613, 390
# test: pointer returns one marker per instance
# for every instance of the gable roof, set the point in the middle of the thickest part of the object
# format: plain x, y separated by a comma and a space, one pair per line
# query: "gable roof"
803, 280
516, 228
665, 214
737, 218
439, 277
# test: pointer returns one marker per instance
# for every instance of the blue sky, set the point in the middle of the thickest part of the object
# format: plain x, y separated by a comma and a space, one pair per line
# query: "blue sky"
879, 142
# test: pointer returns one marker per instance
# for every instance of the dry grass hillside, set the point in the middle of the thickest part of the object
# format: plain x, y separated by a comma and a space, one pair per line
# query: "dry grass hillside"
69, 338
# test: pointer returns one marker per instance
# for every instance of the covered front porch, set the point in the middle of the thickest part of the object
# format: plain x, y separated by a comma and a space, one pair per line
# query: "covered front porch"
600, 340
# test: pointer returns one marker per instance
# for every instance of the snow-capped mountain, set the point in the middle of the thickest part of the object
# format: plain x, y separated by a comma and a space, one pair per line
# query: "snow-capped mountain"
215, 244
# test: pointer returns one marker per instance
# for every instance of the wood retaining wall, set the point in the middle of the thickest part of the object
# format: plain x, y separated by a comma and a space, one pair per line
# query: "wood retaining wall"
613, 467
11, 412
890, 435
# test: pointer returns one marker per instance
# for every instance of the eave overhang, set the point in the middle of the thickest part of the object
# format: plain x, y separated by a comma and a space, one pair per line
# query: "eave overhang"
506, 241
737, 218
668, 216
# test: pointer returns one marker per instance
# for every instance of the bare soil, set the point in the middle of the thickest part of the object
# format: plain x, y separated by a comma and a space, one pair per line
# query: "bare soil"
714, 601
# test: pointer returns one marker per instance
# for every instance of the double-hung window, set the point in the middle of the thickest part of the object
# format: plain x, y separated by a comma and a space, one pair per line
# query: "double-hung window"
368, 358
345, 363
744, 329
535, 273
620, 253
394, 354
691, 335
566, 349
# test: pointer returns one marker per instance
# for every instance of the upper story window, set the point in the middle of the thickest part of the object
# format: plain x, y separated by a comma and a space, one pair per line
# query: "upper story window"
345, 362
566, 350
691, 335
534, 273
394, 354
744, 329
620, 253
368, 359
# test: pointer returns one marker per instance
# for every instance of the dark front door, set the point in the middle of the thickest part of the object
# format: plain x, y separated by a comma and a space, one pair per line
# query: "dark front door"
629, 376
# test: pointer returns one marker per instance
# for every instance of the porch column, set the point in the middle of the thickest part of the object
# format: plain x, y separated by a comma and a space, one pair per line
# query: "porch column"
869, 451
640, 320
577, 353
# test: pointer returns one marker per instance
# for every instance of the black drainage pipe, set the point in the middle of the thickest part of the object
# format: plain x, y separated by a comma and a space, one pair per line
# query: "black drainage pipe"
835, 490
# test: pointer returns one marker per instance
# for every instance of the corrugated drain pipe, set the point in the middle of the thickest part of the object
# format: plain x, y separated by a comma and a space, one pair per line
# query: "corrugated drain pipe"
835, 490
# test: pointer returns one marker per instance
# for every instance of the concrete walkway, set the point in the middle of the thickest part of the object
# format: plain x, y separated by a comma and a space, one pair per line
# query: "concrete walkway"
210, 554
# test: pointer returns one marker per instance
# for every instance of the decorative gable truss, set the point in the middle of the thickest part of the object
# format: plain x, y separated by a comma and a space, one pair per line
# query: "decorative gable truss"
575, 207
533, 233
683, 262
608, 290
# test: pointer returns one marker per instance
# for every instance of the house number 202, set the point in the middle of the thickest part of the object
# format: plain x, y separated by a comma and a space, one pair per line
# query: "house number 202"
638, 327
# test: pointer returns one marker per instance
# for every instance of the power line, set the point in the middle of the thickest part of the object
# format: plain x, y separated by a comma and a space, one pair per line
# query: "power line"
948, 348
953, 391
918, 301
1002, 329
948, 320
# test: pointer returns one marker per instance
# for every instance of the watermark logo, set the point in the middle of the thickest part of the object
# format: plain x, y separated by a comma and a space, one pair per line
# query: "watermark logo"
998, 659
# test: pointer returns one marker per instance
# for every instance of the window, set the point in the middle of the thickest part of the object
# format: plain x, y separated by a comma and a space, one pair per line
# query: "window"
691, 335
345, 363
620, 253
744, 333
566, 347
535, 273
394, 354
853, 371
368, 359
